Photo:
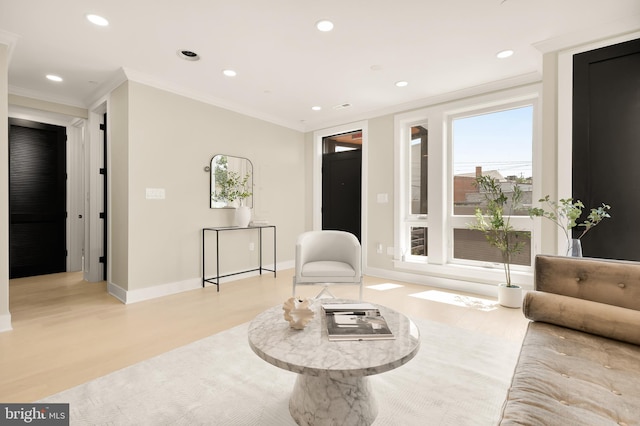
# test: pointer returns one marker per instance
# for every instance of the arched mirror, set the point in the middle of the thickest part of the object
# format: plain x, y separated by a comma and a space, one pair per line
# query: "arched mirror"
231, 182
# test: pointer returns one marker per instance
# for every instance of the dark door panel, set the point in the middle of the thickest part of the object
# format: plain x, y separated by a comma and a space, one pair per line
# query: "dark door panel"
341, 191
606, 146
37, 198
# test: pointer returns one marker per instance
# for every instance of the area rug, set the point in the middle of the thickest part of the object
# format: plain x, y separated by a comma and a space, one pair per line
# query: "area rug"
457, 378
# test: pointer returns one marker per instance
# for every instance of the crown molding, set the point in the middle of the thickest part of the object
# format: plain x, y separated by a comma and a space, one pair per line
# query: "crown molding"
157, 83
108, 86
10, 39
493, 86
33, 94
612, 29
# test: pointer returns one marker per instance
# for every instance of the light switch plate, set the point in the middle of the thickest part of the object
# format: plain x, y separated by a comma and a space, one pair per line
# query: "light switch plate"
155, 194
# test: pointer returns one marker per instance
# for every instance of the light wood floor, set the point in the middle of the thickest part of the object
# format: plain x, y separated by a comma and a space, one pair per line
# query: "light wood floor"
67, 331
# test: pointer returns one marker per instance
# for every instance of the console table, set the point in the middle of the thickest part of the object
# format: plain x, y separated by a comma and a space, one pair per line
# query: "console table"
216, 280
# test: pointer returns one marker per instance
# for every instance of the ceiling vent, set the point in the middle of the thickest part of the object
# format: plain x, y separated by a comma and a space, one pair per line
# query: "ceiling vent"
342, 106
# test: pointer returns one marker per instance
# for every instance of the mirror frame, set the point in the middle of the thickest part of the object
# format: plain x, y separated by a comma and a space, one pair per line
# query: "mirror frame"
243, 169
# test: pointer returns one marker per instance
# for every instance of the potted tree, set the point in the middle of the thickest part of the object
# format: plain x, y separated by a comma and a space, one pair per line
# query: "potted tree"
565, 214
494, 221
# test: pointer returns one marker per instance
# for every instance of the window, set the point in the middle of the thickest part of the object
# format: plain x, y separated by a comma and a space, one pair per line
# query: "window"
496, 144
439, 152
414, 150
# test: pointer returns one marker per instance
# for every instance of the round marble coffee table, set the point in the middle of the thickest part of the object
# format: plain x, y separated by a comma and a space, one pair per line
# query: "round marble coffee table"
332, 385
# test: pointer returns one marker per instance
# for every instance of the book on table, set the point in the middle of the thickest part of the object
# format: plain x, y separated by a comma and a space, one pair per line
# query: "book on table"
355, 321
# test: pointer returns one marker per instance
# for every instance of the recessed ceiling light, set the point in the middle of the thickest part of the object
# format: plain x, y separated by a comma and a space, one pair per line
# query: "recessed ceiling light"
401, 83
229, 73
55, 78
504, 54
324, 25
98, 20
188, 55
316, 108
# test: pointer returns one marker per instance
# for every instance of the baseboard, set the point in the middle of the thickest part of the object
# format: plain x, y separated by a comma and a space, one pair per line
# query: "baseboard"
153, 292
5, 322
438, 282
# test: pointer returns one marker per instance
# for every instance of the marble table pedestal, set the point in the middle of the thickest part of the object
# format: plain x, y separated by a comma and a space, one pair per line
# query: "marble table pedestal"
332, 387
321, 401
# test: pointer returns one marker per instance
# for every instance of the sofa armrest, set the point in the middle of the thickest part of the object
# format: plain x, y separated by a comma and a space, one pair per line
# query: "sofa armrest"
591, 317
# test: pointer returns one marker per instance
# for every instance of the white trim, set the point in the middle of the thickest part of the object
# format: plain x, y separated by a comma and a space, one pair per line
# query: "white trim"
440, 191
494, 86
5, 322
93, 269
473, 287
10, 39
75, 196
100, 96
35, 94
148, 293
149, 80
622, 27
153, 292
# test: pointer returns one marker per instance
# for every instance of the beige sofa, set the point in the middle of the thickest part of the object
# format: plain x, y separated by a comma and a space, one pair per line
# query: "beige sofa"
580, 359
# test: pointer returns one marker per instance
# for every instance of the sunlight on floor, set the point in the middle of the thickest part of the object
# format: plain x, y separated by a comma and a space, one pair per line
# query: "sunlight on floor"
385, 286
457, 300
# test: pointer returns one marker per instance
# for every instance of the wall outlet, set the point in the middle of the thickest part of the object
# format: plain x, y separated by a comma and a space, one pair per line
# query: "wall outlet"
390, 251
252, 246
379, 248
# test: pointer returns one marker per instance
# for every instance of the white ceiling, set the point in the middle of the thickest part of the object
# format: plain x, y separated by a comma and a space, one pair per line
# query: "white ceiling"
285, 66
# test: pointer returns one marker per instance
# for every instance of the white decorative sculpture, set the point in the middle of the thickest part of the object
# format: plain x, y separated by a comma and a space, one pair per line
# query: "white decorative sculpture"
298, 312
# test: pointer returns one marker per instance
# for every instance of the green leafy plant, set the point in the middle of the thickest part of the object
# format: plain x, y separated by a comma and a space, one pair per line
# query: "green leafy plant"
566, 212
495, 220
232, 187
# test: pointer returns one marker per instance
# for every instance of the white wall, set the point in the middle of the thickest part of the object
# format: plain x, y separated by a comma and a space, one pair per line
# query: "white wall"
5, 316
164, 140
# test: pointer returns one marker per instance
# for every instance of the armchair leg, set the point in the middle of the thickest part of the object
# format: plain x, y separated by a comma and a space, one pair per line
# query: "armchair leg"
325, 291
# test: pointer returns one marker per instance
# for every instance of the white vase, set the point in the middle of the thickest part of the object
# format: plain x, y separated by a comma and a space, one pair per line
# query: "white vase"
510, 297
242, 216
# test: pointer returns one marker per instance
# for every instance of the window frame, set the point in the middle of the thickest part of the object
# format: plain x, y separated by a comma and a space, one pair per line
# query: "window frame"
440, 221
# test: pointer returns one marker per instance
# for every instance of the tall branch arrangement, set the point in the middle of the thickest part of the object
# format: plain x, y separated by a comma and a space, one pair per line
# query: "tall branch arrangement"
494, 221
566, 212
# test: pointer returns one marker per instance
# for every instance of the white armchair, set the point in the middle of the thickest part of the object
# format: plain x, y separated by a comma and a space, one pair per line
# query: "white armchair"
328, 258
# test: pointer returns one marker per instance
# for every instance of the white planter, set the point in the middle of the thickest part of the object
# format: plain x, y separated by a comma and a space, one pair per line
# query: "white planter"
510, 297
242, 216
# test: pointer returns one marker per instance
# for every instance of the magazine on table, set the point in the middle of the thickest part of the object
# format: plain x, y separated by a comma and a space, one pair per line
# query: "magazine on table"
355, 321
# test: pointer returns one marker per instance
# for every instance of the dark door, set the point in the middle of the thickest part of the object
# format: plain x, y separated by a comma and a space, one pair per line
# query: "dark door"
341, 191
606, 146
37, 198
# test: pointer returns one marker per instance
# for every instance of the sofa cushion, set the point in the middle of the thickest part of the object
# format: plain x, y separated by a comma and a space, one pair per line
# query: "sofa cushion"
584, 315
567, 377
614, 282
